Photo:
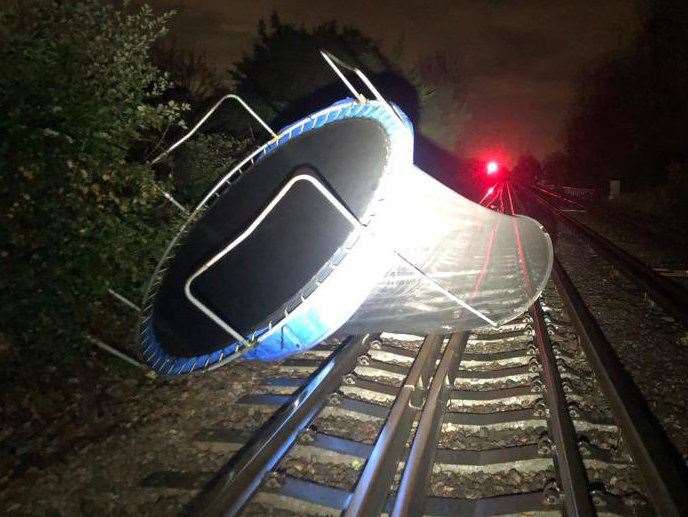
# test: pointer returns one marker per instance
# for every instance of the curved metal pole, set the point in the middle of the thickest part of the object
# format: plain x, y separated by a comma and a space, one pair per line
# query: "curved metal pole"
333, 61
206, 116
190, 133
330, 60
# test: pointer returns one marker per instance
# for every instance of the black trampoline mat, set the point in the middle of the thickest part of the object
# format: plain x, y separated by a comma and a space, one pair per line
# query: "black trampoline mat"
286, 250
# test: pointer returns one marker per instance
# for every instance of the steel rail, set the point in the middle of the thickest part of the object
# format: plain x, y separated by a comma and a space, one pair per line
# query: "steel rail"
670, 295
638, 227
560, 197
411, 495
370, 495
661, 466
238, 480
663, 470
570, 467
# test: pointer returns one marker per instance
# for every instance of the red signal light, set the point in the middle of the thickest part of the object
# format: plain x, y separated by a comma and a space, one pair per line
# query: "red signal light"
492, 167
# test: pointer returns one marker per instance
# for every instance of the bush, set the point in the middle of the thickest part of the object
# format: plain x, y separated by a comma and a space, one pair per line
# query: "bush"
202, 161
78, 95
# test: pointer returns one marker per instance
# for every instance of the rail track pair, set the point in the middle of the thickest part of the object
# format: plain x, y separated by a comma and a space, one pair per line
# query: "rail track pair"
494, 422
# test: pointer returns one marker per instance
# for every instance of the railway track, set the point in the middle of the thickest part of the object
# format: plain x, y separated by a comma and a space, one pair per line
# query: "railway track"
535, 416
670, 295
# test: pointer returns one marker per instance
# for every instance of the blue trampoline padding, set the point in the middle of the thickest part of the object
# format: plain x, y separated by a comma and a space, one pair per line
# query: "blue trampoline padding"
320, 315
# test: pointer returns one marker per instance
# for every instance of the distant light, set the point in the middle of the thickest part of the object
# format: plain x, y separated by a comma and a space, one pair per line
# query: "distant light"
492, 167
490, 191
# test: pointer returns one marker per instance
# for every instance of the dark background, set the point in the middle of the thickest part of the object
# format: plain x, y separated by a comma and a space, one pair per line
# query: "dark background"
517, 62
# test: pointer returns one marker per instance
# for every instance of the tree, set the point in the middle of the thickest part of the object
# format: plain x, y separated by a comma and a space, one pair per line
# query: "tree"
284, 76
198, 164
194, 80
631, 115
80, 100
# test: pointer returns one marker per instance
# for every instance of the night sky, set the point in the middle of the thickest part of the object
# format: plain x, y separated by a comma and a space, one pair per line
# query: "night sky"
519, 59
